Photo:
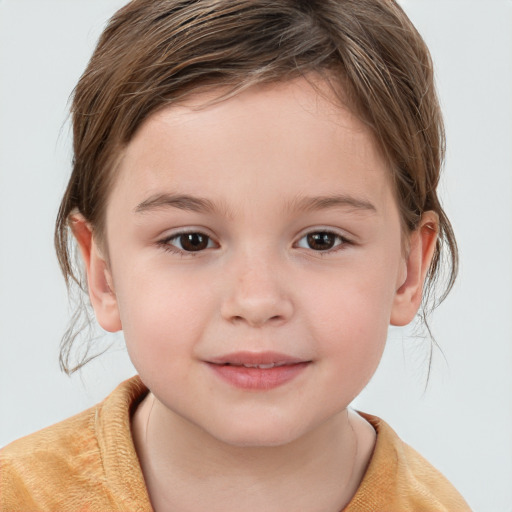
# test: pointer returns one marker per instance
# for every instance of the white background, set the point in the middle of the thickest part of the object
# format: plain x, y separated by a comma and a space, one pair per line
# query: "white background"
462, 422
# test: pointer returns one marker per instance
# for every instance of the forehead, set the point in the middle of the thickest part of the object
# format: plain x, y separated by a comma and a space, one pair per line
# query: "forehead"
294, 138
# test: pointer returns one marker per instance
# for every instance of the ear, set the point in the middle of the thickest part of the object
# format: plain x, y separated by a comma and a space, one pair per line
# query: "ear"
99, 277
422, 244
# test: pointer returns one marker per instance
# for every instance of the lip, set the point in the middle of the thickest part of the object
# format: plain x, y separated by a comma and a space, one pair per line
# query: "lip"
258, 371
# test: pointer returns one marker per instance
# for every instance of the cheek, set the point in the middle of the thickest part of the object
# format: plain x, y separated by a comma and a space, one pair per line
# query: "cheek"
351, 347
358, 301
162, 314
350, 320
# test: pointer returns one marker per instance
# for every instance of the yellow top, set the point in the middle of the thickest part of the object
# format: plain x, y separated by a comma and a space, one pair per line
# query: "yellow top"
88, 463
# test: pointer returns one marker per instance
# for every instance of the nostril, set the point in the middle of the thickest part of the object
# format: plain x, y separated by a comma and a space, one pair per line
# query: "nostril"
255, 321
256, 310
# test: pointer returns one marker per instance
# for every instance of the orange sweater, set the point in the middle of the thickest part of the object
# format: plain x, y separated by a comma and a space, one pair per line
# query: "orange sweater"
88, 463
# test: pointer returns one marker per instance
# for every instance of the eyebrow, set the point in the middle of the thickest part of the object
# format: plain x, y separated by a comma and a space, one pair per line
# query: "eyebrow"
332, 201
180, 201
201, 205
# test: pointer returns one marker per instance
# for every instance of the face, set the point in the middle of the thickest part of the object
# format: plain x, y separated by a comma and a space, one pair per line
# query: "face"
254, 260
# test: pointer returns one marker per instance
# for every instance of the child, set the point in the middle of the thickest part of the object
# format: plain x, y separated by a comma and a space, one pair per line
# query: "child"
254, 198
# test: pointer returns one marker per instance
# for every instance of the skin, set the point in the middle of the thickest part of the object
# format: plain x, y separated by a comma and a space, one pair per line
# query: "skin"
259, 162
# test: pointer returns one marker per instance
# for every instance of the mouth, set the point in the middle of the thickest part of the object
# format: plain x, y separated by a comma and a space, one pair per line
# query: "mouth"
258, 371
263, 360
260, 366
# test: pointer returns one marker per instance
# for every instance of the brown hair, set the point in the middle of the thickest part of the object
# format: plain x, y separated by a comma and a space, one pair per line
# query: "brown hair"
153, 53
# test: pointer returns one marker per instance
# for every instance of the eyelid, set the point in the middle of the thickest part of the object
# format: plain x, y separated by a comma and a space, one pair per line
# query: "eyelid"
345, 240
325, 229
185, 230
164, 242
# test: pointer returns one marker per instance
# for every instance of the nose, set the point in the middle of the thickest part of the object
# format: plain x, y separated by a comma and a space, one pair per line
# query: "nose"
257, 294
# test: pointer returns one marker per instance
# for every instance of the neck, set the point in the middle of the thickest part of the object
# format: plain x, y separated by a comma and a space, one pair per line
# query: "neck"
187, 469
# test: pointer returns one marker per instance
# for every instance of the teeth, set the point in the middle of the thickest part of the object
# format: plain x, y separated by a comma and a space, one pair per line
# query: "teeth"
260, 366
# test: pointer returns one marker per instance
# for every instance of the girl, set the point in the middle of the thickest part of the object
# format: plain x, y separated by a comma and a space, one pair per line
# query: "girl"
254, 199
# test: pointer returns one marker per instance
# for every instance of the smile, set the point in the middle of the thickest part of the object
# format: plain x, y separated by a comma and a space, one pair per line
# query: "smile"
257, 371
260, 366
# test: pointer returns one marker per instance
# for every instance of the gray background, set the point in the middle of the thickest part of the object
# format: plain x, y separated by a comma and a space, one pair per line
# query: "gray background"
462, 422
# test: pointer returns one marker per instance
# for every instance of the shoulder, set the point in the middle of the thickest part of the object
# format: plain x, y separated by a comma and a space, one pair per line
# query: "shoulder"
37, 467
398, 478
60, 465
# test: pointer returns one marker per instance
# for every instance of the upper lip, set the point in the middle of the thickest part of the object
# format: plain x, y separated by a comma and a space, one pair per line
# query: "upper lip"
257, 359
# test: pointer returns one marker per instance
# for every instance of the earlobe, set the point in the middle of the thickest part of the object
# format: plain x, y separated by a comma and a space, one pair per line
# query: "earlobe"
422, 246
99, 277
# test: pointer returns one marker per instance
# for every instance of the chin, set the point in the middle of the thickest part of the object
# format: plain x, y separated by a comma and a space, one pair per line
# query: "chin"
256, 440
256, 434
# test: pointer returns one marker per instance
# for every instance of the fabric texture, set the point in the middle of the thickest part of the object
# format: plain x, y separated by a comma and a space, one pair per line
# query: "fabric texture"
88, 463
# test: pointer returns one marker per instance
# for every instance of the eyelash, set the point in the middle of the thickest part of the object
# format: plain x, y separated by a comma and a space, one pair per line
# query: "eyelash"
167, 246
339, 244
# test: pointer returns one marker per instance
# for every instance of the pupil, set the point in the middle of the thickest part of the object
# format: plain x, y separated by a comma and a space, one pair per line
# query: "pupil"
194, 241
321, 241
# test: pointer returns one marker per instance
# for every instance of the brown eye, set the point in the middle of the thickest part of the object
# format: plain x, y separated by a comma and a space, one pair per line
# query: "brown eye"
188, 242
321, 241
193, 242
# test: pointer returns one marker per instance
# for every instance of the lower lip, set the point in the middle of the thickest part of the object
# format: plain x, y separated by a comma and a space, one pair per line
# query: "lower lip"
258, 378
